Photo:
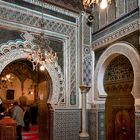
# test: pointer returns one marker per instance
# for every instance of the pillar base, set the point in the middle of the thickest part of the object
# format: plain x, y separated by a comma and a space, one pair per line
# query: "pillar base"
84, 136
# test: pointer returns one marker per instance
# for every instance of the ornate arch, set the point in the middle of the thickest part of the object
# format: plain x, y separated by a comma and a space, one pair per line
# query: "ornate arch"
14, 51
111, 52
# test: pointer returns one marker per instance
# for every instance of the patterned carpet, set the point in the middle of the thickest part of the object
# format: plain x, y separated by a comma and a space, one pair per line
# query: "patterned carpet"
32, 134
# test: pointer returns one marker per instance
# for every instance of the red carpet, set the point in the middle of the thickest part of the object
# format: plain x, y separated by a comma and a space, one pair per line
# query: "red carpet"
32, 134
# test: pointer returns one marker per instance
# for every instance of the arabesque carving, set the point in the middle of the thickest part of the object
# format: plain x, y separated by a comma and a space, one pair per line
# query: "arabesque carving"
15, 50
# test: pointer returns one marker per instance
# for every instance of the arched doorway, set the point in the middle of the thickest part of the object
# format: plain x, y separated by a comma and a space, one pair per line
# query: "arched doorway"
31, 90
119, 106
121, 48
14, 52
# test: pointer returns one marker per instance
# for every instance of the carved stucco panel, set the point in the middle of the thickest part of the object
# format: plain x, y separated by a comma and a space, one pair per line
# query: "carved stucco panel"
28, 20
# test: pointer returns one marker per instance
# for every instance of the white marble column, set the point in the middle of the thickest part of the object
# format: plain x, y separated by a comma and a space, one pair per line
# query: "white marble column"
84, 134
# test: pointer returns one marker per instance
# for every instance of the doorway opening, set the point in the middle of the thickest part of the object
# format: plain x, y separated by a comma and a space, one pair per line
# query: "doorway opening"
31, 89
119, 106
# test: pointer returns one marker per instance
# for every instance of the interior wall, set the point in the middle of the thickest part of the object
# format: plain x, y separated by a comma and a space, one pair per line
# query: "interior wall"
43, 90
32, 89
16, 86
28, 90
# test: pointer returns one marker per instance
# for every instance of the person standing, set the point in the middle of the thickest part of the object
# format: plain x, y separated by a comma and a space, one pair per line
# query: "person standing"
2, 109
18, 116
26, 119
34, 114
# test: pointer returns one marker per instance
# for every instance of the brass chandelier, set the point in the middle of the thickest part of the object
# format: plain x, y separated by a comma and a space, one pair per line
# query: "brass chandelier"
91, 3
42, 52
6, 80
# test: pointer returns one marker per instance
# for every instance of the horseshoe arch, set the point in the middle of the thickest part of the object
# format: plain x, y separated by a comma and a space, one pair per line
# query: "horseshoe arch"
14, 51
111, 52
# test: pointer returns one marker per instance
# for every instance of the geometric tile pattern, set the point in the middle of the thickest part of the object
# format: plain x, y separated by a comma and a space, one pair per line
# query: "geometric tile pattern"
66, 124
137, 125
72, 61
93, 124
97, 122
87, 58
101, 125
87, 71
87, 32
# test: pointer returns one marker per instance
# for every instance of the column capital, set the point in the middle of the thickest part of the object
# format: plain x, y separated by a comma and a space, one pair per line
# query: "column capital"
84, 88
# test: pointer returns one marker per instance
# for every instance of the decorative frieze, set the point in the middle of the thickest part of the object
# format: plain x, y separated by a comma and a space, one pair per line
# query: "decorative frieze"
109, 38
53, 7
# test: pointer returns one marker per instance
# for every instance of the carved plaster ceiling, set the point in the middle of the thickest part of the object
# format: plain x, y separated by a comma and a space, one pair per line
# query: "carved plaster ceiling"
73, 5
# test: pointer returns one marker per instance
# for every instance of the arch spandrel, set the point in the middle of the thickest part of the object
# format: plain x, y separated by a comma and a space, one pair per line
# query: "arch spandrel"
14, 51
111, 52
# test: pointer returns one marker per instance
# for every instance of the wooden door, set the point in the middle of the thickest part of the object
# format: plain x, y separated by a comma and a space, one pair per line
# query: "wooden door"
124, 124
119, 117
